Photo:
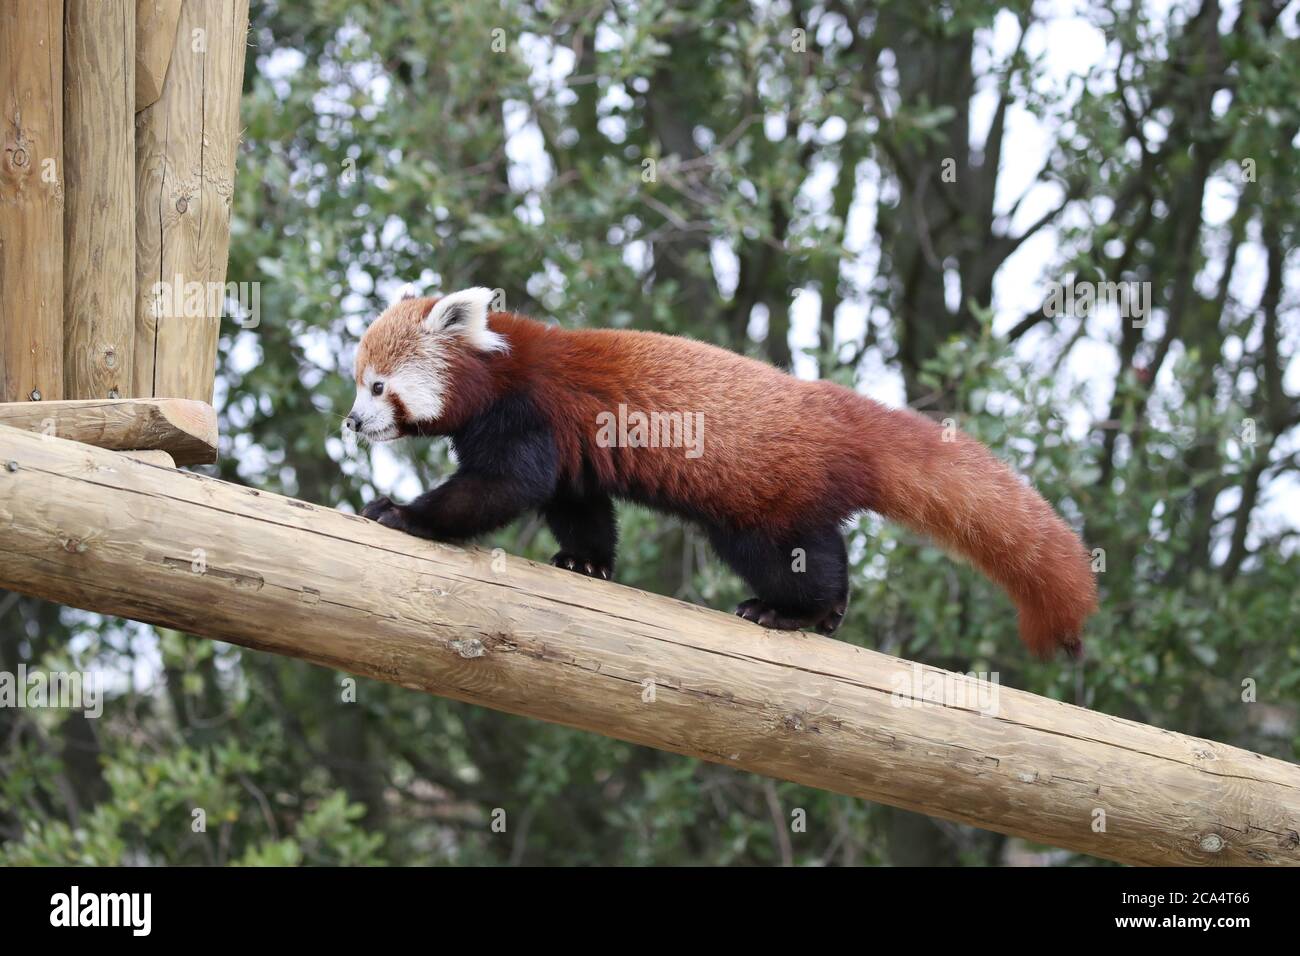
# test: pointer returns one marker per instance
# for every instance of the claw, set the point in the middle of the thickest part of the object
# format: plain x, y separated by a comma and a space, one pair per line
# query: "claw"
377, 507
765, 615
579, 565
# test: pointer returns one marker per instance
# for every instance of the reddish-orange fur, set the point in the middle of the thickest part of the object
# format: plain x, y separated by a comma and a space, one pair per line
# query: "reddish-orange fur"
780, 453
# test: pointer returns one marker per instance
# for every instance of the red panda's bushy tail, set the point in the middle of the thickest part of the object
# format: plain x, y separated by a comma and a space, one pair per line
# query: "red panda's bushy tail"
950, 487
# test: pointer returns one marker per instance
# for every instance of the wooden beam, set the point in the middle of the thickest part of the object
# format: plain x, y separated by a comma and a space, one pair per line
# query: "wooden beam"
99, 215
151, 457
31, 201
184, 167
155, 36
185, 429
95, 530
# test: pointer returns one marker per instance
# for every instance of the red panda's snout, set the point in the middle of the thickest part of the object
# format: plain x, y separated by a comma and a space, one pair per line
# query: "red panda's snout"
408, 401
374, 414
421, 367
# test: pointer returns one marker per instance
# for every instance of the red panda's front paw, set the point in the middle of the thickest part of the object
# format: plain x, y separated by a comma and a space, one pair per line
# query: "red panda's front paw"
377, 507
383, 510
571, 562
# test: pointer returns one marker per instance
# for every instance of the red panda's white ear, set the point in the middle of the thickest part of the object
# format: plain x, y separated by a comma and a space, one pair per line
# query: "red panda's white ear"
465, 313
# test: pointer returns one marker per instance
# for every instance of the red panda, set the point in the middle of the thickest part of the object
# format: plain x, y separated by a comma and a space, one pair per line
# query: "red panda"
774, 467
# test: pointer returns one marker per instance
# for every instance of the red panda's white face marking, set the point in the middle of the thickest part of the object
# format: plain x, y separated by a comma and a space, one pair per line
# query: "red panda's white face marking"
402, 362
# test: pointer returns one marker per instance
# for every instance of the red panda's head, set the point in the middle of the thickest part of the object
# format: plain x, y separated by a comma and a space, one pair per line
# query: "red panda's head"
410, 357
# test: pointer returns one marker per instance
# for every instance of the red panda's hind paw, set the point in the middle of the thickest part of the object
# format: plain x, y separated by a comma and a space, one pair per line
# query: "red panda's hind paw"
591, 569
765, 615
832, 619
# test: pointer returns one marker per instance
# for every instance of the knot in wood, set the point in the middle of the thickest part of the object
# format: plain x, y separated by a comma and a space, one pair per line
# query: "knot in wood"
469, 649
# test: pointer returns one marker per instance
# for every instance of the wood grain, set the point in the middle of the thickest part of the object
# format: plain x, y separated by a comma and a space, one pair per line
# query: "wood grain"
151, 457
185, 162
155, 36
185, 429
31, 200
93, 529
99, 215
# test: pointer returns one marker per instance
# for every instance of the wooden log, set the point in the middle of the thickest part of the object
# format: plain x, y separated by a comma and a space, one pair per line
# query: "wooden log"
99, 215
185, 429
151, 457
95, 530
31, 200
155, 36
184, 167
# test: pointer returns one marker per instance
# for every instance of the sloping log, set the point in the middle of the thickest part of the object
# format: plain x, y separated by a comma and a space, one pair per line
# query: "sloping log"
93, 529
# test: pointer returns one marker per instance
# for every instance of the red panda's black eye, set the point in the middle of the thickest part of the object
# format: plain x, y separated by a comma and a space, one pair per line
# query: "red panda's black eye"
377, 388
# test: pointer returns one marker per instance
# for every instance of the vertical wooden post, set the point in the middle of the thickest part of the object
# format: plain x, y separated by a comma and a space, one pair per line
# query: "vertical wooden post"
31, 200
185, 160
155, 35
99, 215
